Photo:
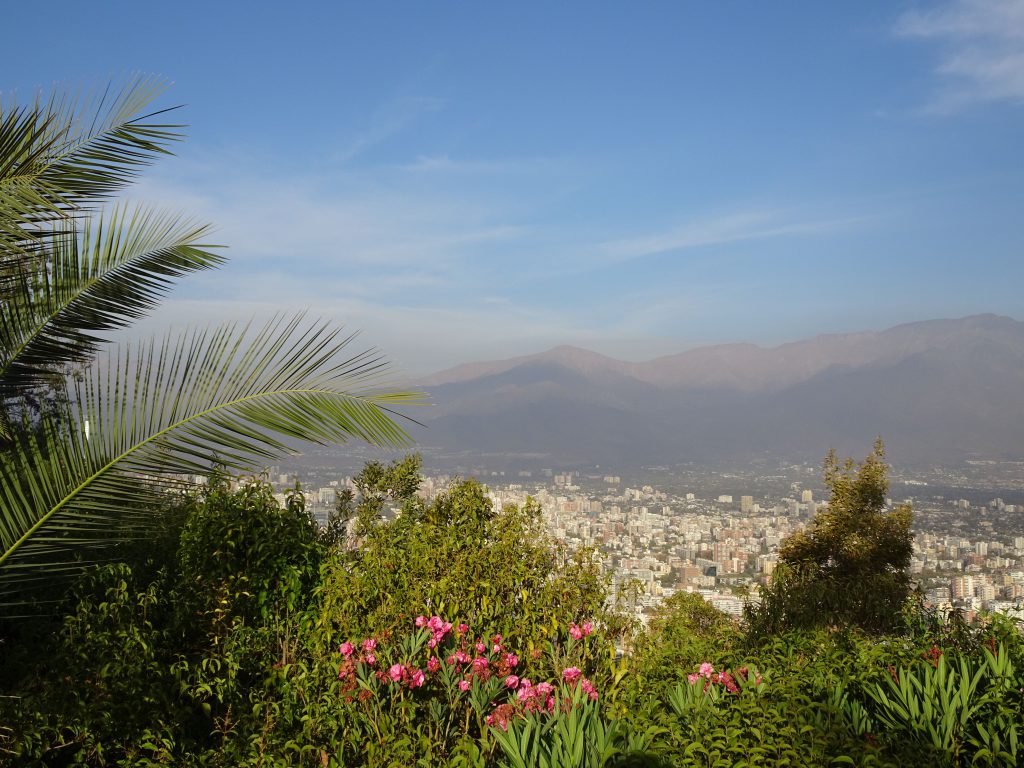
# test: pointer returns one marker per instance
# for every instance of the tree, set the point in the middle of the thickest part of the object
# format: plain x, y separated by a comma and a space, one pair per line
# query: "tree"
76, 484
850, 566
457, 556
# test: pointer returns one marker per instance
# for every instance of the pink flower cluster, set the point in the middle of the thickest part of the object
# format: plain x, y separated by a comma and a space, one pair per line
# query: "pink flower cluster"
574, 674
368, 646
474, 659
490, 659
707, 673
537, 698
529, 698
365, 654
407, 675
438, 627
579, 632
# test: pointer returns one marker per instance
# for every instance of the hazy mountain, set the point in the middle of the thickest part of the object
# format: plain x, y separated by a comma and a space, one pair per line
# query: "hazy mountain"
940, 390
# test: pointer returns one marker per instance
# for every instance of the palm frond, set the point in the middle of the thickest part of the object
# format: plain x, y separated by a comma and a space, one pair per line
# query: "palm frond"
101, 274
62, 157
231, 396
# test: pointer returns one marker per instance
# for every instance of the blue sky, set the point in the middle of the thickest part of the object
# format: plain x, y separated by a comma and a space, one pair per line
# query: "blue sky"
472, 180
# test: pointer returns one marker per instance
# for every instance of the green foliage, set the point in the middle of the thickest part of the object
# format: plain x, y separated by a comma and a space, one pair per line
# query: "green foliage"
241, 638
244, 559
685, 631
953, 708
573, 735
458, 557
850, 566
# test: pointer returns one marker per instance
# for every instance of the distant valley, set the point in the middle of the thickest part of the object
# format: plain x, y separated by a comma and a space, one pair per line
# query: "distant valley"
937, 391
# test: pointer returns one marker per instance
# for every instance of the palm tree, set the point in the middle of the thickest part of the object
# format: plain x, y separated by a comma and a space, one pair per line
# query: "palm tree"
78, 483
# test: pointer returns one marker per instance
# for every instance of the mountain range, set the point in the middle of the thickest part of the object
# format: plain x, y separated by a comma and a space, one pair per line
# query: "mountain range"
936, 391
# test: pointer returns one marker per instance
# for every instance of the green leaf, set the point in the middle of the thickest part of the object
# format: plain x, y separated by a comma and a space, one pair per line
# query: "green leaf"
157, 411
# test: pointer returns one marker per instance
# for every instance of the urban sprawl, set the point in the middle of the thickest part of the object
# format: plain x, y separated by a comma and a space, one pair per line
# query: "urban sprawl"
968, 555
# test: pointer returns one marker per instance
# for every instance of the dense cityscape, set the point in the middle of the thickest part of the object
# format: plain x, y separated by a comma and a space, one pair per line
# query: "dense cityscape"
718, 533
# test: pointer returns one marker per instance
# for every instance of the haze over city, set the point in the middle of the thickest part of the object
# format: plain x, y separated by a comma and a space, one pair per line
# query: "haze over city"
467, 182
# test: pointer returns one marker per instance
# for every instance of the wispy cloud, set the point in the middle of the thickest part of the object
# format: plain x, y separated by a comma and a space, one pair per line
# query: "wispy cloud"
983, 50
308, 222
445, 164
716, 230
389, 120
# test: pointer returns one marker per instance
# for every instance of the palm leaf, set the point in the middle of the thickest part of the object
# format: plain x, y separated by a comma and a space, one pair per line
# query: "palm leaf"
61, 157
72, 152
157, 411
101, 274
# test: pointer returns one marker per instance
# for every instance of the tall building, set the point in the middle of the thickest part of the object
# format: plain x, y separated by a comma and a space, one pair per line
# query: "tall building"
806, 497
962, 587
746, 504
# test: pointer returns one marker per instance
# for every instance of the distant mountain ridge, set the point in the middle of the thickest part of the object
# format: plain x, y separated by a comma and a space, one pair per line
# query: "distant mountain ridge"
937, 390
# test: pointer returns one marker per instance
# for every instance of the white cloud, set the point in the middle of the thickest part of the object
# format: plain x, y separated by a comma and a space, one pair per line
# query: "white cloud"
313, 221
983, 50
715, 230
389, 120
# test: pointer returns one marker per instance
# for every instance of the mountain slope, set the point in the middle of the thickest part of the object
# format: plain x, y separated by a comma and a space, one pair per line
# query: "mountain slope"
938, 390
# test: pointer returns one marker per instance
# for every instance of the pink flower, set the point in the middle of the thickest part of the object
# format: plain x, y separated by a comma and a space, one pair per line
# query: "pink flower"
461, 656
729, 682
496, 648
433, 664
463, 685
450, 660
692, 679
589, 689
369, 644
571, 674
479, 664
432, 642
511, 681
588, 628
481, 648
371, 659
463, 628
706, 670
435, 623
545, 688
511, 660
496, 639
421, 621
575, 632
346, 649
418, 678
395, 673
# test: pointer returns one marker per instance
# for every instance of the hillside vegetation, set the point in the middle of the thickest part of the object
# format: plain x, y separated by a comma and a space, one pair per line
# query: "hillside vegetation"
458, 634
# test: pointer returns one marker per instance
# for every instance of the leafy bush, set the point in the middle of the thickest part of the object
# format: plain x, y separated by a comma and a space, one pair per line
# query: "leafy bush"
456, 634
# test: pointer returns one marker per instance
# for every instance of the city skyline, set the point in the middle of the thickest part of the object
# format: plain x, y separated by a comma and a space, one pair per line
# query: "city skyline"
466, 183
